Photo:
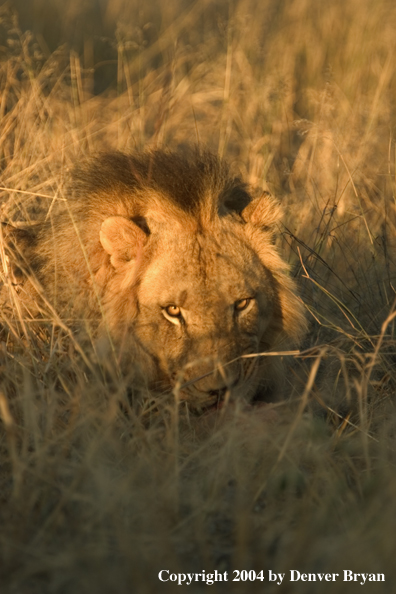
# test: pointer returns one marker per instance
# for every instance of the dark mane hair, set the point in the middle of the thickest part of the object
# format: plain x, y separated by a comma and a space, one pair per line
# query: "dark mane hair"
194, 181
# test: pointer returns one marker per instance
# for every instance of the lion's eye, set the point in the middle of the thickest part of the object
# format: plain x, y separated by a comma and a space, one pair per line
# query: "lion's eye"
173, 311
242, 304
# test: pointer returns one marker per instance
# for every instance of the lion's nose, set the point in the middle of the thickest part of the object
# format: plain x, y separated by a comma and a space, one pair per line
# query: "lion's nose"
218, 393
211, 376
216, 383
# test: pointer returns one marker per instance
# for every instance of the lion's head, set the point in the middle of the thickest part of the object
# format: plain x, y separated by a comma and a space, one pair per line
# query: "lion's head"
179, 259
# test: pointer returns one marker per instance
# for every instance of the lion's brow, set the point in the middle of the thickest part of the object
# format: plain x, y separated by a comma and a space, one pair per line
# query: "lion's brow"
183, 297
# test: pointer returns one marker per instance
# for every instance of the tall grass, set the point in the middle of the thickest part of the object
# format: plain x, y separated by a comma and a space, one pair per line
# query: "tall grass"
99, 494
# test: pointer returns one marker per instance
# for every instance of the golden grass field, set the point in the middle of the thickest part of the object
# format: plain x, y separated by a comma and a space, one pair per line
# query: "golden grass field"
98, 495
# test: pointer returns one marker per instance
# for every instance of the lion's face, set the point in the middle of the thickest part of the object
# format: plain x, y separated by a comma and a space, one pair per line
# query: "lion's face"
202, 300
209, 302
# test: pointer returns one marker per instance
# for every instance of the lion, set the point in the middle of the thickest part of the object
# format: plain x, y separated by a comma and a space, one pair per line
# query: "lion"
174, 258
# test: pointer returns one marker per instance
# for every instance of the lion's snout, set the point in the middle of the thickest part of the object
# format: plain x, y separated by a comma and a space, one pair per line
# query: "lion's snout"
211, 376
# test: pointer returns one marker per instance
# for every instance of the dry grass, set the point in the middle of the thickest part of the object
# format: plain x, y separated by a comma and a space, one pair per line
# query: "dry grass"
299, 96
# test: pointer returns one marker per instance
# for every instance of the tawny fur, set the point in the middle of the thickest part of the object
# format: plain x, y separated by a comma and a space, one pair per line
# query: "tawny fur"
139, 233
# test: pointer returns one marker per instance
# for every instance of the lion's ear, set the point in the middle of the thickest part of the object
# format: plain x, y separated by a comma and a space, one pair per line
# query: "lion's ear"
263, 211
121, 239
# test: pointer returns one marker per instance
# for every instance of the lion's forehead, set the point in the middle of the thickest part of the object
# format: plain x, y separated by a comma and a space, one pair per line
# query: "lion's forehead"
189, 271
